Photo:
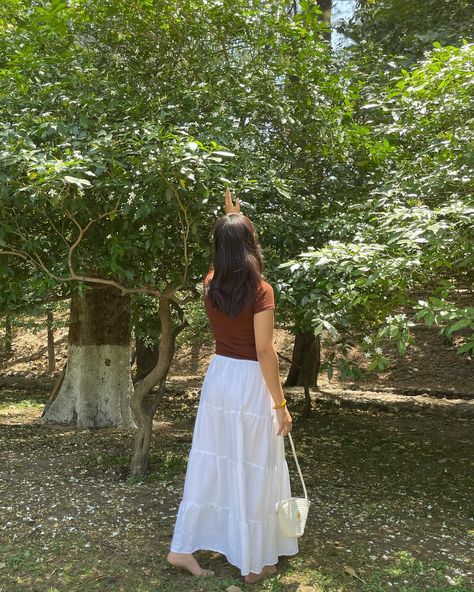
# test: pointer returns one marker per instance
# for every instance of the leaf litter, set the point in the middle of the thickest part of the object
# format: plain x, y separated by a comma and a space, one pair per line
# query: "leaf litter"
392, 503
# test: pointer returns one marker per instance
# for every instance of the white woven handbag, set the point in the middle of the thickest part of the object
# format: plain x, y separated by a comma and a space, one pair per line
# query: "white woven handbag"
292, 513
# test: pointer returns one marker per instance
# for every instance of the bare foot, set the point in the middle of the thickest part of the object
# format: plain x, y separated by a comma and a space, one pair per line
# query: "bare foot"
253, 578
269, 570
188, 561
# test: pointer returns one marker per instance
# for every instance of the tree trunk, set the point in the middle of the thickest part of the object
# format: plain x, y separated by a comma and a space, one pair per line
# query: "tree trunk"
141, 450
55, 390
146, 357
51, 356
305, 360
97, 385
145, 407
326, 7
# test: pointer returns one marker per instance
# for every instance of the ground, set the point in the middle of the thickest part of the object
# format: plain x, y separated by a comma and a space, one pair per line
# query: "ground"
391, 496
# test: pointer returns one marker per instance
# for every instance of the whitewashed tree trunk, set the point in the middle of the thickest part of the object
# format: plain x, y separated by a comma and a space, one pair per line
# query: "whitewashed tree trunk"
97, 386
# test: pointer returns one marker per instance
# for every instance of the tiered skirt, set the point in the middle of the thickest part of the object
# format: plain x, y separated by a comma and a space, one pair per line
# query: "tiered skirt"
233, 478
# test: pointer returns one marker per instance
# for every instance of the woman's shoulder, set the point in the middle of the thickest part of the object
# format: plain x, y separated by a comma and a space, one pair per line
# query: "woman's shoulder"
265, 284
264, 297
208, 276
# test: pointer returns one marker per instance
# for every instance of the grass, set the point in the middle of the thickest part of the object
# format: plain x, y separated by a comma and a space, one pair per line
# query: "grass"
391, 497
14, 406
408, 574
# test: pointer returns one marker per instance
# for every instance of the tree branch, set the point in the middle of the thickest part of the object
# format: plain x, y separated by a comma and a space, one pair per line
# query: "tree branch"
16, 253
168, 293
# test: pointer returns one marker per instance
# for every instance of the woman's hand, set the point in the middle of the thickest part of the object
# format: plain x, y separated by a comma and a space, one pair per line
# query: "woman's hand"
285, 421
229, 206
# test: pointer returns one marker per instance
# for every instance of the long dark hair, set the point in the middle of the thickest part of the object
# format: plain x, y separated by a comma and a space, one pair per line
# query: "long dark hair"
237, 264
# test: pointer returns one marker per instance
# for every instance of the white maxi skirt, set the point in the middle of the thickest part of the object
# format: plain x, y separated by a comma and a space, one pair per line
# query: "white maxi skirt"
232, 479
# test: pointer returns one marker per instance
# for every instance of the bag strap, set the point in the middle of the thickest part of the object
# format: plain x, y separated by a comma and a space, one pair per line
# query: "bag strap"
297, 464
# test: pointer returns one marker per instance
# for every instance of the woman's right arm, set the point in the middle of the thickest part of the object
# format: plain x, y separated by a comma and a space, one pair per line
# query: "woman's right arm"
268, 360
230, 208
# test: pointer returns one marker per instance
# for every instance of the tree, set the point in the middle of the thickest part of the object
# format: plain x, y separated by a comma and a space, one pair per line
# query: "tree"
113, 126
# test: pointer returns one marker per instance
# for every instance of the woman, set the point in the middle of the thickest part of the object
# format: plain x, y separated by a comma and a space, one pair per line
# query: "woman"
233, 479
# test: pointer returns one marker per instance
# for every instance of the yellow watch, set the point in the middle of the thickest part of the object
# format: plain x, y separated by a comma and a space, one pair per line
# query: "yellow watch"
282, 404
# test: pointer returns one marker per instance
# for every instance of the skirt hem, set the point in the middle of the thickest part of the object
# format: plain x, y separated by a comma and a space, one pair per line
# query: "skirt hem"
270, 561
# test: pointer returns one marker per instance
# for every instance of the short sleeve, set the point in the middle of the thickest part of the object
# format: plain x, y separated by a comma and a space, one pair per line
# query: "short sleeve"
207, 277
264, 299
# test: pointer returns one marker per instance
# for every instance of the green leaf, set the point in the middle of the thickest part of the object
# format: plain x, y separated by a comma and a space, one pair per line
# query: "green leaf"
429, 318
459, 325
466, 347
330, 371
318, 329
224, 154
283, 192
76, 181
321, 261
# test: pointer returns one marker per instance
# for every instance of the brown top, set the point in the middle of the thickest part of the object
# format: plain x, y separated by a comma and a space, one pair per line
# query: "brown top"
235, 337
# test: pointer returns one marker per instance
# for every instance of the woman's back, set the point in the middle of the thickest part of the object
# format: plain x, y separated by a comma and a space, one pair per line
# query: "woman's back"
235, 337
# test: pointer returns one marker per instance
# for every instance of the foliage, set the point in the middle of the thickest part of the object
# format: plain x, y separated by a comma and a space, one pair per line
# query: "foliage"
114, 118
198, 330
410, 28
121, 124
449, 317
412, 231
426, 115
